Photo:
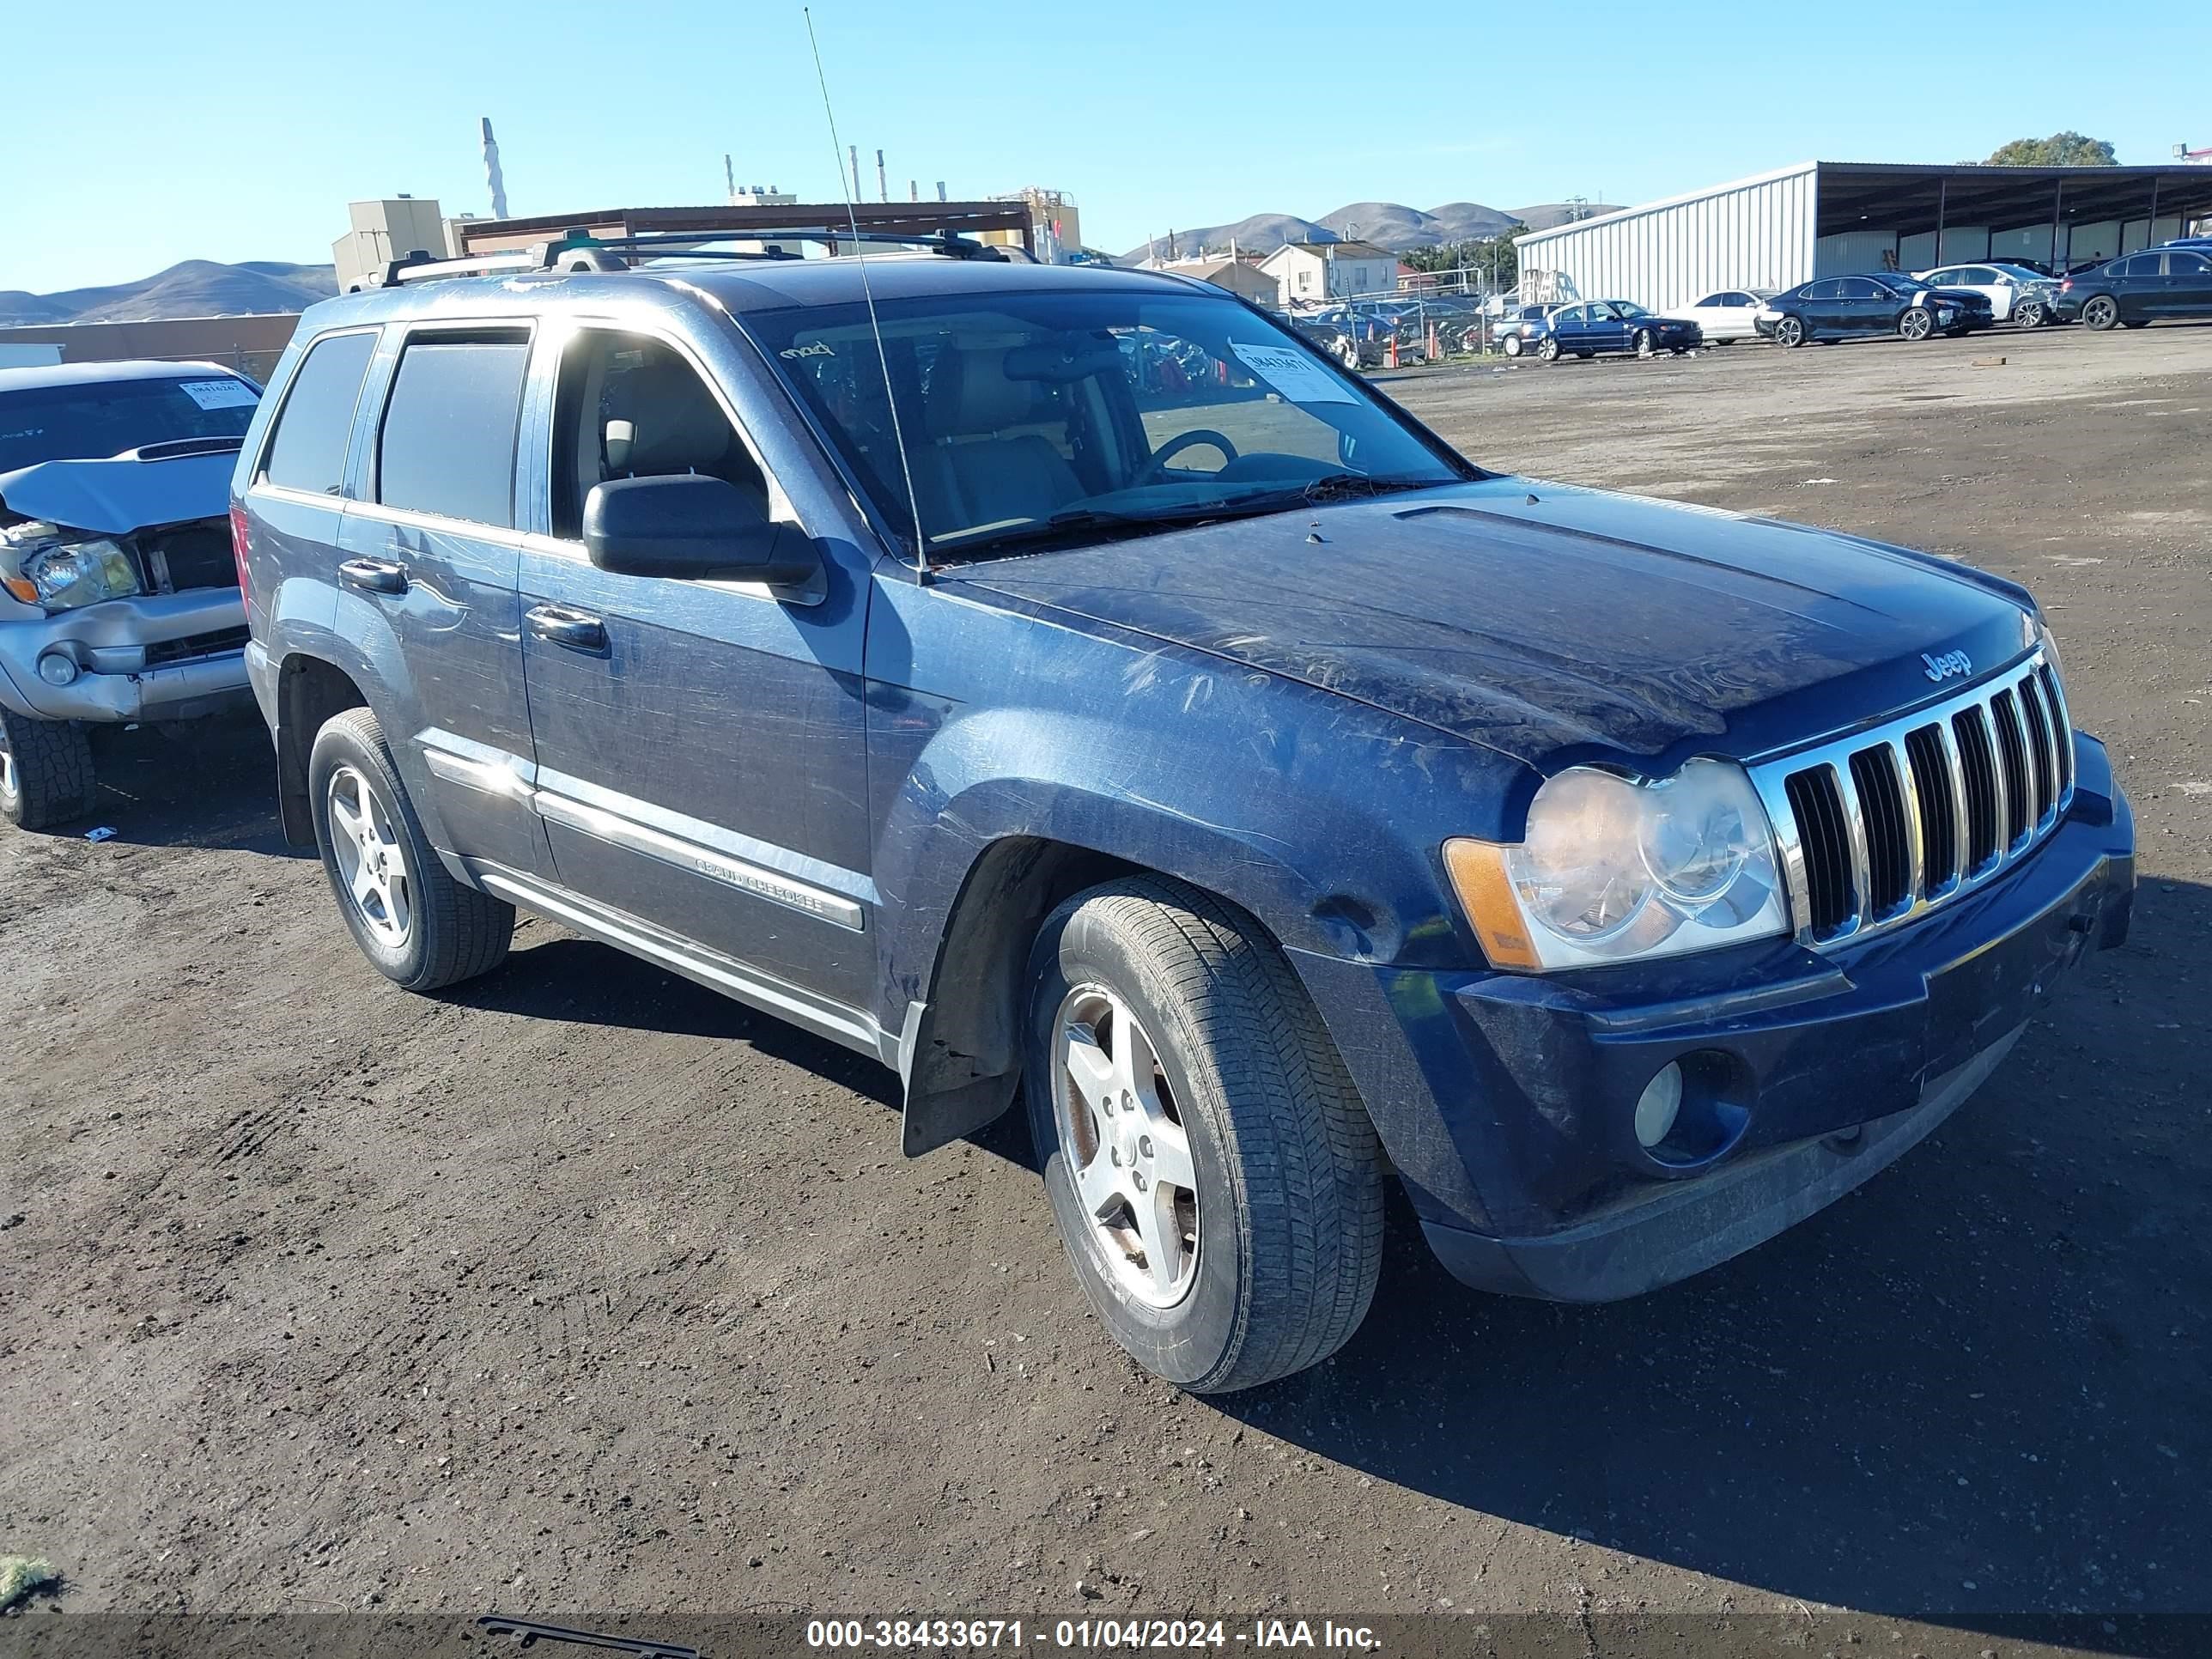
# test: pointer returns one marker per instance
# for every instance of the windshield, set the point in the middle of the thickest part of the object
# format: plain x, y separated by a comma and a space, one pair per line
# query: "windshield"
90, 420
1629, 308
1022, 412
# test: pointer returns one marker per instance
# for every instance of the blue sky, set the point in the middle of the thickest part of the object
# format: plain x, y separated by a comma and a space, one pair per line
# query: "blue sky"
240, 130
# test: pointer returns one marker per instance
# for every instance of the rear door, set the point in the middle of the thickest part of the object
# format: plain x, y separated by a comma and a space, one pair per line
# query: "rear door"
428, 559
1823, 307
1864, 305
2138, 284
700, 745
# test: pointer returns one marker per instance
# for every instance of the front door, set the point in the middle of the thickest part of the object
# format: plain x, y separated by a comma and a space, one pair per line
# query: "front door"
430, 552
701, 761
2189, 282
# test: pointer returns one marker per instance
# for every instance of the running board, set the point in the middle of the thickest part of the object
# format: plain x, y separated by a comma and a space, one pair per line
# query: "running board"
848, 1026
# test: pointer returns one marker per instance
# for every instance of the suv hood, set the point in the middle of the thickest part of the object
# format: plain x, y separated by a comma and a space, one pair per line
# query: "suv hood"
1552, 623
136, 490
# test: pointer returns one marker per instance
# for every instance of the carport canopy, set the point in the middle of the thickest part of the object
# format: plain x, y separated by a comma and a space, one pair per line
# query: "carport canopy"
1857, 196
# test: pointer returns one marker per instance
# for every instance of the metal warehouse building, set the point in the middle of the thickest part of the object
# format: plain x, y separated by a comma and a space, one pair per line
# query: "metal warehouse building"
1825, 218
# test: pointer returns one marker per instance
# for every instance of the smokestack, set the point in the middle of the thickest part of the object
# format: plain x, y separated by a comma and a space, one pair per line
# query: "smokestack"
729, 179
940, 190
883, 183
493, 177
852, 155
914, 190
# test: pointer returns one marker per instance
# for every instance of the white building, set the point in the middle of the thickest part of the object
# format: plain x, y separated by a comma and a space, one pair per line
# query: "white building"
1777, 229
1308, 273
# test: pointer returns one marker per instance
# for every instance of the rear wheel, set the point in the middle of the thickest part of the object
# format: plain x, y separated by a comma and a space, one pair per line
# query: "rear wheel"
45, 770
1916, 323
2100, 312
417, 925
1789, 333
1212, 1171
1512, 346
1548, 350
2028, 315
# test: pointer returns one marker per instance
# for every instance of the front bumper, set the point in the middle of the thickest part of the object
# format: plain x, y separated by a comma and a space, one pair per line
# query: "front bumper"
162, 656
1510, 1109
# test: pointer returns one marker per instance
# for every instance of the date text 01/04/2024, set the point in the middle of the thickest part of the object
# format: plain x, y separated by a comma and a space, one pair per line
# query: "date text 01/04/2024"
1085, 1633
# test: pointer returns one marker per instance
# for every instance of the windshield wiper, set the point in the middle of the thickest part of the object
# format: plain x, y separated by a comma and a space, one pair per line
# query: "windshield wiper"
1081, 520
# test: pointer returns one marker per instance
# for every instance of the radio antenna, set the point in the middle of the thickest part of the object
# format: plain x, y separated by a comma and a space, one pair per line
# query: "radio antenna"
867, 293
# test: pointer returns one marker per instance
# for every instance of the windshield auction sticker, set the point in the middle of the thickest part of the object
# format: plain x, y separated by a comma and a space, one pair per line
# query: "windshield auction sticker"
1297, 376
217, 394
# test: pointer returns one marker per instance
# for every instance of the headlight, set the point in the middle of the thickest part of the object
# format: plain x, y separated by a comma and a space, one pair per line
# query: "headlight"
72, 574
1614, 871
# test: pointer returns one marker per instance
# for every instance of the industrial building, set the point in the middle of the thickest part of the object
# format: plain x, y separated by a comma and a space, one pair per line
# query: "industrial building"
1826, 218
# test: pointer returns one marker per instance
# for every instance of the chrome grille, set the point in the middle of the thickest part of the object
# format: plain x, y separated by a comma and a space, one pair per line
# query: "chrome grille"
1877, 828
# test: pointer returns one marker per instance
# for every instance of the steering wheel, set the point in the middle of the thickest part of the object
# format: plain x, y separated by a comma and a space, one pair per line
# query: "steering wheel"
1176, 444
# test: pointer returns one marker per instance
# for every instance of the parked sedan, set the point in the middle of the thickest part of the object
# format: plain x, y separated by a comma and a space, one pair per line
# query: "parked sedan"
1725, 315
1517, 326
1607, 325
2004, 285
1854, 307
2136, 291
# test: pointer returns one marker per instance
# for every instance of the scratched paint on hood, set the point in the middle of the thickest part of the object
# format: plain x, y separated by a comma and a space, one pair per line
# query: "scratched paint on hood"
1576, 622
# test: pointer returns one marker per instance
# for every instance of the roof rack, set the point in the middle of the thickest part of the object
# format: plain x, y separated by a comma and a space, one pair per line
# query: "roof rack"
580, 250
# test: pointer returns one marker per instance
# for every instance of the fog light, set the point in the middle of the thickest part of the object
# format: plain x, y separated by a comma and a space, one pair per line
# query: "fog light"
1659, 1105
55, 669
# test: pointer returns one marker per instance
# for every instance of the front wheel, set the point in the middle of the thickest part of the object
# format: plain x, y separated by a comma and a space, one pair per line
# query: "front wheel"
1210, 1169
2135, 322
1645, 346
1789, 333
1916, 323
417, 925
2101, 313
45, 771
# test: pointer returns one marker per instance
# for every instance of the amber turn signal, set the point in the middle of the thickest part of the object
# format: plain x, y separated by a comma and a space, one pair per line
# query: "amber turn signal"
1477, 869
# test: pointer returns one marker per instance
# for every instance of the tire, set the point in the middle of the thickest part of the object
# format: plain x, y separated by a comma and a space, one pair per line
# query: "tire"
2027, 316
1645, 346
1348, 353
1789, 333
2135, 322
1548, 350
1512, 346
418, 927
1276, 1253
2100, 312
45, 771
1916, 323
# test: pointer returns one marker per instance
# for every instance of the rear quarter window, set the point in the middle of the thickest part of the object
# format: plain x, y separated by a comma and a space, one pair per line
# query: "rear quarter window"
447, 446
307, 450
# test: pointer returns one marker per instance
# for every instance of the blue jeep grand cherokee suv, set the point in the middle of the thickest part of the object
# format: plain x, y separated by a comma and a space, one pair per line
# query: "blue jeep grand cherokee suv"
921, 650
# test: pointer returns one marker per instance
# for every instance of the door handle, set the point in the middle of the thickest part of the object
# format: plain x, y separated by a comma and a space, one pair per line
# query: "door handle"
575, 630
373, 575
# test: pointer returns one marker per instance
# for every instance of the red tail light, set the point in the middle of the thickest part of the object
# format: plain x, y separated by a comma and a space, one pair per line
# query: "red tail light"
2063, 286
237, 547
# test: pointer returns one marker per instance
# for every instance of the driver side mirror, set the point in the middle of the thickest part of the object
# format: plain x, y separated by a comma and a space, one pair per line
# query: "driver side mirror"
692, 527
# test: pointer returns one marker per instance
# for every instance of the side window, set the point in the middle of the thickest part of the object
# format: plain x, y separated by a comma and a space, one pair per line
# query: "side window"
1713, 300
448, 444
629, 406
2141, 264
2186, 265
307, 450
1827, 291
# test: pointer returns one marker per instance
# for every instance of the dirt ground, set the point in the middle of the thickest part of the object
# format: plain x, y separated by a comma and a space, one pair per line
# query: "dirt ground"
582, 1289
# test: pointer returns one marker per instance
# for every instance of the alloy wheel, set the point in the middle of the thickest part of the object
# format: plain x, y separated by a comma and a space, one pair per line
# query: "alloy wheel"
1123, 1136
9, 782
1643, 346
2101, 312
370, 858
1916, 324
1790, 333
